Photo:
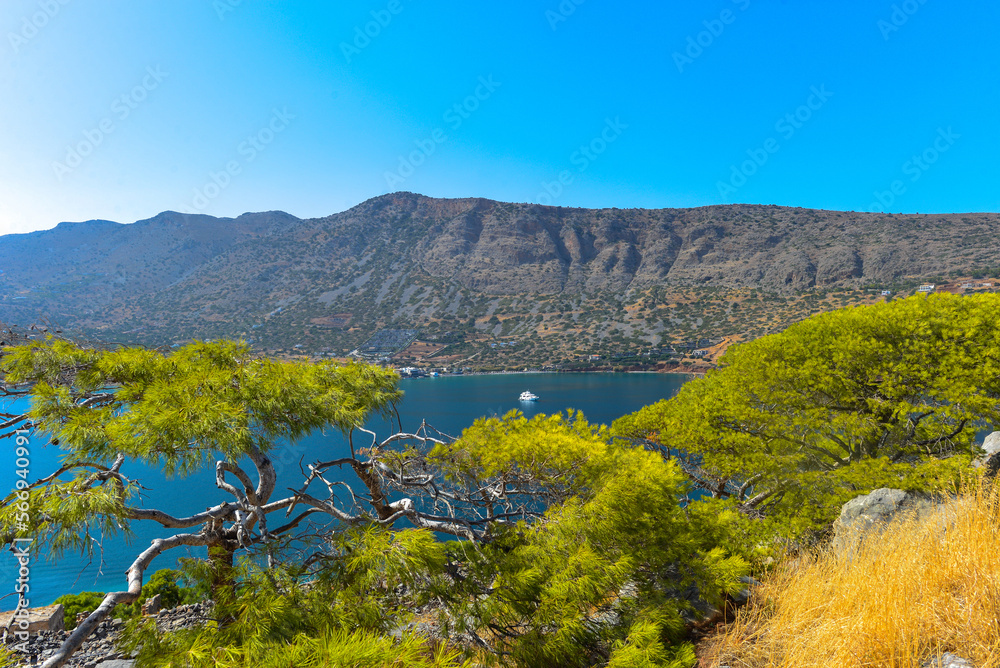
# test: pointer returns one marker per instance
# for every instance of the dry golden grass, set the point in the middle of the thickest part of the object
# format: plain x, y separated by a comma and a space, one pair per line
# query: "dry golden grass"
921, 588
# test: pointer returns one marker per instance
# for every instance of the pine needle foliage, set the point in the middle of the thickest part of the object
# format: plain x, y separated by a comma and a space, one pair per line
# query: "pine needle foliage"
643, 648
341, 617
573, 549
601, 574
177, 410
794, 424
70, 515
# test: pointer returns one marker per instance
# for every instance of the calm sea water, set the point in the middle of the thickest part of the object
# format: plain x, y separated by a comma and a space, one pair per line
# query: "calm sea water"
448, 403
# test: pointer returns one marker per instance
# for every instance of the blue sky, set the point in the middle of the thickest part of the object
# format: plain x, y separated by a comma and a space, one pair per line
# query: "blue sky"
120, 109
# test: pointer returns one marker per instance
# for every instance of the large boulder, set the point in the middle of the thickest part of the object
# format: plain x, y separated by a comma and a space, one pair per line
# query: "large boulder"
990, 460
991, 444
871, 512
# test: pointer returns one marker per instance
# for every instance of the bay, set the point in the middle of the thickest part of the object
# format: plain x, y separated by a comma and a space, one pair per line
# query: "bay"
449, 403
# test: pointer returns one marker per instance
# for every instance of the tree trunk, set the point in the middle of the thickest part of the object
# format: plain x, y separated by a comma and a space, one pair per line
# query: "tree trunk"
220, 557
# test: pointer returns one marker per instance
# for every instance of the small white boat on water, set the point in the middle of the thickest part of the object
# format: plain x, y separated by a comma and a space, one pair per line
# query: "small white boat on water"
528, 396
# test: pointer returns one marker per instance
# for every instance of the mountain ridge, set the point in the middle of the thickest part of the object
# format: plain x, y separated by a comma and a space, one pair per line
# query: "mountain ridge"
473, 263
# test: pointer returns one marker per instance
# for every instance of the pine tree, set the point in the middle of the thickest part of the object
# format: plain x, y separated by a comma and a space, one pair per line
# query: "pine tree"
794, 424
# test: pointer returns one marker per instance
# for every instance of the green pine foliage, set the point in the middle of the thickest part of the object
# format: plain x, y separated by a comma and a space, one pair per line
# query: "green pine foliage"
177, 410
609, 558
643, 648
890, 395
341, 615
603, 575
595, 562
69, 515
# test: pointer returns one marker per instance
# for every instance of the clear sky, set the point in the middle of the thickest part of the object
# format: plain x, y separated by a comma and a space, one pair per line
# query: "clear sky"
120, 109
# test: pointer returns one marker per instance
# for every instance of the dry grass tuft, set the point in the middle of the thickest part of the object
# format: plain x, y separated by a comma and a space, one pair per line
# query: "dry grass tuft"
922, 587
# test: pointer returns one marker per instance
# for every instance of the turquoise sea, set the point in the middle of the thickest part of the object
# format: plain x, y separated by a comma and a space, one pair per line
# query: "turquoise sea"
449, 403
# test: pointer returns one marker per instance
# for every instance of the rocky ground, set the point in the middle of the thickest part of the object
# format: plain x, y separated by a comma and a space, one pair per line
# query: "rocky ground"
99, 650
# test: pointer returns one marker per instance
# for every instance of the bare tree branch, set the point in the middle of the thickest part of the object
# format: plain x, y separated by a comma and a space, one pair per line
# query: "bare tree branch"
134, 577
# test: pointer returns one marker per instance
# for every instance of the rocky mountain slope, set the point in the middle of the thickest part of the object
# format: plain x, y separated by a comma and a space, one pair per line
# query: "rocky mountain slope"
467, 268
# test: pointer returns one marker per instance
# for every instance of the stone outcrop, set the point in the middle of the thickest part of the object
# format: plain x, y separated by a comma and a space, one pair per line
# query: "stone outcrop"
990, 460
49, 618
152, 606
868, 512
871, 512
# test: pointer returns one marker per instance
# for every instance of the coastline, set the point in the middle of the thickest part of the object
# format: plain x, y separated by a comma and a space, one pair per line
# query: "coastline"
670, 372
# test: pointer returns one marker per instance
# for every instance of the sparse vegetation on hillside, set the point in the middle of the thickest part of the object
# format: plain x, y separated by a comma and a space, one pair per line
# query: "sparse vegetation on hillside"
562, 283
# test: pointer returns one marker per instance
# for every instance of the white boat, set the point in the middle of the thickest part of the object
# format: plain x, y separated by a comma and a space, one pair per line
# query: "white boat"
528, 396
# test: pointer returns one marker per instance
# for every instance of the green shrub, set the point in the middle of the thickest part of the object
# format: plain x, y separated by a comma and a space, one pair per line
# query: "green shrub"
163, 582
74, 604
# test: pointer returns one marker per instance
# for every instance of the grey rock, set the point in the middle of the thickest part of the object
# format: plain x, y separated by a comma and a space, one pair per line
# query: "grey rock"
990, 460
871, 512
991, 444
152, 606
742, 597
947, 660
117, 663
